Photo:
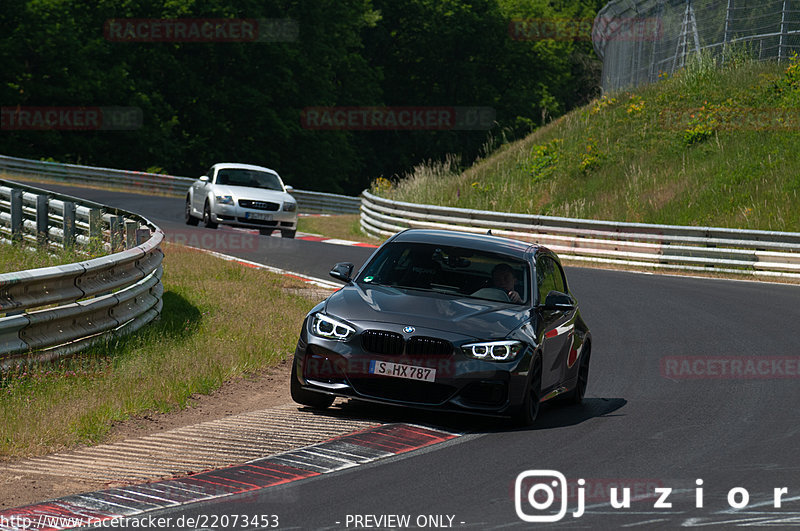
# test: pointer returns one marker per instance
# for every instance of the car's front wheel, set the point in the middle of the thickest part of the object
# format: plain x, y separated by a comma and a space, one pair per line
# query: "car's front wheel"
529, 409
307, 398
207, 217
265, 232
189, 218
288, 233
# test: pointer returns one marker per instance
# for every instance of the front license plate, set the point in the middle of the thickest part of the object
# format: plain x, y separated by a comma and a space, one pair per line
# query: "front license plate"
258, 215
397, 370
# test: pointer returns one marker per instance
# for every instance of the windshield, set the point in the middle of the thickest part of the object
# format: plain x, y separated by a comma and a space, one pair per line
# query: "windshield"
249, 178
453, 270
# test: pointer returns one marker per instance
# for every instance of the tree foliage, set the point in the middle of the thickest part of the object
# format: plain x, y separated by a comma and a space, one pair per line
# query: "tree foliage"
205, 102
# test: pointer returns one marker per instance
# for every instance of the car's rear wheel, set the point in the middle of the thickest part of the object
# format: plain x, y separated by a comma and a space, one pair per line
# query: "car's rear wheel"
207, 217
288, 233
307, 398
189, 218
529, 410
576, 395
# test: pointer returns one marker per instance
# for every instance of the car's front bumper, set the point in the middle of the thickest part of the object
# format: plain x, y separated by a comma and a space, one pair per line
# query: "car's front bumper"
461, 383
237, 216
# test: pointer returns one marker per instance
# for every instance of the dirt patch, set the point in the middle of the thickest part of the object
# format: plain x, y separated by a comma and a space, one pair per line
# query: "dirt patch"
266, 389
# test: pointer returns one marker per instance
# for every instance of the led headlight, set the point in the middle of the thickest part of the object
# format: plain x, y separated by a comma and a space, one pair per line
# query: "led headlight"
493, 350
330, 328
289, 207
225, 199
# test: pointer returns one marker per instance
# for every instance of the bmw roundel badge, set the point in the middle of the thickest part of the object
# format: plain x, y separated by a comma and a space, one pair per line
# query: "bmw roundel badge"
409, 329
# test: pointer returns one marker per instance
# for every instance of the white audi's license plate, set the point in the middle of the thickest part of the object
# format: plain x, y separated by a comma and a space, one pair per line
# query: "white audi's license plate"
397, 370
258, 215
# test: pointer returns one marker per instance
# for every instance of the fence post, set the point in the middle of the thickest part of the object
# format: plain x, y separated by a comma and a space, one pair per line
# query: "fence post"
42, 212
69, 224
782, 41
726, 34
17, 225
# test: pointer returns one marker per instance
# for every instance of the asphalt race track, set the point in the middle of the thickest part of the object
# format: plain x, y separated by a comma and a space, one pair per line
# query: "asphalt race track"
690, 379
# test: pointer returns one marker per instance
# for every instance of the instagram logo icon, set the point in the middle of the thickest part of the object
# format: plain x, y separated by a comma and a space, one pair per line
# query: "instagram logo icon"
536, 492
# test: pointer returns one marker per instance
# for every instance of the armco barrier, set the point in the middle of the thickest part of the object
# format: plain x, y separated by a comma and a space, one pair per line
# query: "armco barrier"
307, 201
53, 311
711, 249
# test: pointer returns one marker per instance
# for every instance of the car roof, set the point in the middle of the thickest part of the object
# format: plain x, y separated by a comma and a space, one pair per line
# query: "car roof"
482, 242
236, 165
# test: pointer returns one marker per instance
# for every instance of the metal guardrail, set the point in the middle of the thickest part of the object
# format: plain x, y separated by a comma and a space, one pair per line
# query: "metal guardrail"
307, 201
710, 249
54, 311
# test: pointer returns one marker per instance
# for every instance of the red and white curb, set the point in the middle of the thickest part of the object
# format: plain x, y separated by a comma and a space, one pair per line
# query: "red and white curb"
334, 241
340, 453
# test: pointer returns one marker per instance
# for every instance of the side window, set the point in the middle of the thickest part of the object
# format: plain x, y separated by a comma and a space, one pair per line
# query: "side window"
210, 173
545, 277
558, 274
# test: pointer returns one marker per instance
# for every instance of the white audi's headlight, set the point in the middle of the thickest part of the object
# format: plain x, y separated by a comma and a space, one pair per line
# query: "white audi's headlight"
493, 350
224, 199
289, 207
330, 328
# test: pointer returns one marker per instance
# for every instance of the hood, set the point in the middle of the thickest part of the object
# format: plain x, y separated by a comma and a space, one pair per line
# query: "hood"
257, 194
474, 318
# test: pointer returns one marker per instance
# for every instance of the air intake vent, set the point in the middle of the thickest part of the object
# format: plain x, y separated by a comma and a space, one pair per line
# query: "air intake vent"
382, 342
428, 346
259, 205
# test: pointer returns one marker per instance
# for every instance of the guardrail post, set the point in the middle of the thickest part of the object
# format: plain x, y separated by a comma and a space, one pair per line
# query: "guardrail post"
117, 233
16, 216
142, 235
130, 234
69, 224
42, 214
95, 231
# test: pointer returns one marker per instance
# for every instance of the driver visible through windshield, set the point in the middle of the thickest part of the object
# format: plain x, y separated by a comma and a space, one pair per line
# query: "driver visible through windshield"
452, 270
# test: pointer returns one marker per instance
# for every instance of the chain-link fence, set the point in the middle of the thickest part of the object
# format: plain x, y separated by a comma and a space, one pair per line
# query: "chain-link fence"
639, 40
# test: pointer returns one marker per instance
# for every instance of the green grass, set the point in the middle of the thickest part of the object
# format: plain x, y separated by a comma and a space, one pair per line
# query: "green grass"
200, 342
688, 150
343, 227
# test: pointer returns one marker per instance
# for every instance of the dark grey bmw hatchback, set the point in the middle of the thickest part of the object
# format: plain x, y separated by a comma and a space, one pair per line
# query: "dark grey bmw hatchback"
447, 320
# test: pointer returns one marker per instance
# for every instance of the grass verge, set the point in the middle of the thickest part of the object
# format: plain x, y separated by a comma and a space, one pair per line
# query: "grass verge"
211, 330
340, 226
712, 145
17, 258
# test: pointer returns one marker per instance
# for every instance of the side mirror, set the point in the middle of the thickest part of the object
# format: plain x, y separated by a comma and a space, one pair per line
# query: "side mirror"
343, 271
556, 300
204, 178
288, 188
